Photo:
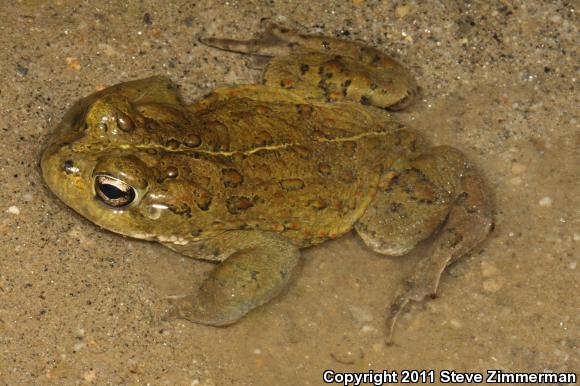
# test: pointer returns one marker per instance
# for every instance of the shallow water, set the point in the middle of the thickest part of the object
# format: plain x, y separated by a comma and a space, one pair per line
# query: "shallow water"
80, 305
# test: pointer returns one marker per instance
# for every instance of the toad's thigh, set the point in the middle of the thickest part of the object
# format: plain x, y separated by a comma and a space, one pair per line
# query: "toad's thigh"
412, 201
337, 77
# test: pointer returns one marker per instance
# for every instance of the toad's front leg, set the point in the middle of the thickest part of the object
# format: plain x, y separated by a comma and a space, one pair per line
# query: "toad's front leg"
258, 268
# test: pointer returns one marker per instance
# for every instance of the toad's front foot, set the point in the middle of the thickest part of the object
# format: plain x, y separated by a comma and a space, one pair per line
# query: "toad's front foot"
192, 309
256, 272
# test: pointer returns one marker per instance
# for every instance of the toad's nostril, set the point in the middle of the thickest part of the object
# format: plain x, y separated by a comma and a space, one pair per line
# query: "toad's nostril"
69, 167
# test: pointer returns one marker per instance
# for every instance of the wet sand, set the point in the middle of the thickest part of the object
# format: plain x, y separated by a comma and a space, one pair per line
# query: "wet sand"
80, 305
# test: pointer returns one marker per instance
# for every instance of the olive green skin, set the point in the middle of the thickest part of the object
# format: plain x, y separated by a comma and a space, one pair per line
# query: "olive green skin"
309, 172
249, 174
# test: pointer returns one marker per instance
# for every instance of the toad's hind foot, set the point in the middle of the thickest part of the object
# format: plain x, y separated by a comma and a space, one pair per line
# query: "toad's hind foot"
438, 193
462, 232
275, 40
326, 68
468, 223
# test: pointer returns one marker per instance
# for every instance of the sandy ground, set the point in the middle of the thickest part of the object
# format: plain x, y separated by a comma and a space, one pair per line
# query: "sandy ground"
79, 305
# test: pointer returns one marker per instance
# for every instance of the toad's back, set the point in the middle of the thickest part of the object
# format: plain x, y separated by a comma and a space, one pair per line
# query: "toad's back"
253, 157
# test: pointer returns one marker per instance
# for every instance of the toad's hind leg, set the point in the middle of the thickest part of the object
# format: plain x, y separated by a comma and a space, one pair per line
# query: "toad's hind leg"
438, 191
327, 68
257, 269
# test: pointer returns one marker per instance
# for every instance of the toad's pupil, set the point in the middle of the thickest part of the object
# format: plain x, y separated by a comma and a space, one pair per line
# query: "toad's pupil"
112, 192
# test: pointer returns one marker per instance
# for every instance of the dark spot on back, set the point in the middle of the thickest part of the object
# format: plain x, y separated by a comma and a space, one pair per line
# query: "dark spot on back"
392, 182
347, 176
349, 148
232, 178
181, 210
151, 125
173, 144
395, 206
287, 84
202, 199
238, 204
318, 203
291, 184
303, 152
324, 169
193, 140
345, 85
304, 110
263, 138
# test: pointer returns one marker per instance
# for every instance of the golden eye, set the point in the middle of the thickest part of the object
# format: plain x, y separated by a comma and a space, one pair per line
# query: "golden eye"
113, 191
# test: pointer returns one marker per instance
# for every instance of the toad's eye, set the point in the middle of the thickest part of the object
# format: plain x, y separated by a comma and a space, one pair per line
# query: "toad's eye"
113, 191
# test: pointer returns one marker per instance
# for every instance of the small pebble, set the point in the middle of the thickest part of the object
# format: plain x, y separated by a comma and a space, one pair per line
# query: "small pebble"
545, 201
573, 265
188, 21
361, 314
455, 323
518, 169
73, 63
90, 376
492, 285
13, 210
27, 197
347, 357
576, 236
488, 269
147, 18
108, 49
516, 181
403, 10
367, 328
21, 70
